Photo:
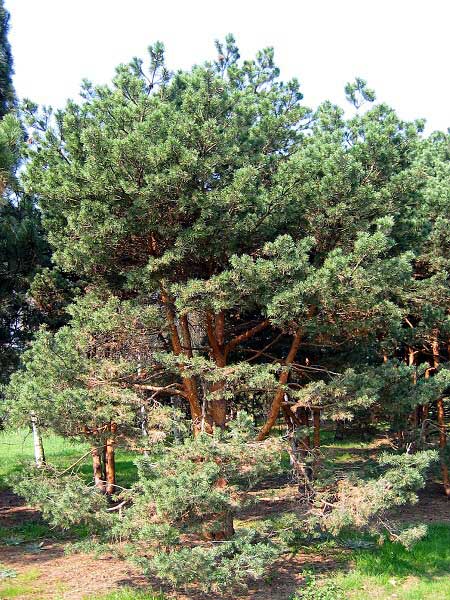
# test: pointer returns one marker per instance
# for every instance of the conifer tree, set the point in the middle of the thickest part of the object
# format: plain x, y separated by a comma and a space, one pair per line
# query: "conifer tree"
209, 144
22, 245
21, 242
242, 217
236, 248
7, 94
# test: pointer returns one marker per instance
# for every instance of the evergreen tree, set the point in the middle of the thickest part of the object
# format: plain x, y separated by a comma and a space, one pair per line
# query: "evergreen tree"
22, 246
235, 249
21, 243
7, 94
243, 218
209, 144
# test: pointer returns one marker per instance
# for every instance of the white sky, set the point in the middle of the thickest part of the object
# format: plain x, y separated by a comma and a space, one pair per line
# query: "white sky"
400, 46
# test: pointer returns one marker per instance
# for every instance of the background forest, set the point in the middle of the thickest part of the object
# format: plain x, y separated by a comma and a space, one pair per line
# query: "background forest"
202, 273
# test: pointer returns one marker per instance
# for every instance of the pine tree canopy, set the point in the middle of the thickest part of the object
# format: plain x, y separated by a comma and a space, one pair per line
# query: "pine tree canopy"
223, 255
22, 247
7, 94
216, 197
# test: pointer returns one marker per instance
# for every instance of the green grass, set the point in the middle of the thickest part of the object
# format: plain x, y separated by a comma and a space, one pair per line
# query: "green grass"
16, 448
421, 573
26, 586
21, 586
28, 531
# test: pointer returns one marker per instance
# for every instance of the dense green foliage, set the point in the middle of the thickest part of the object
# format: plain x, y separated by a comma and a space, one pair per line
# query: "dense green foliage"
22, 247
218, 246
7, 94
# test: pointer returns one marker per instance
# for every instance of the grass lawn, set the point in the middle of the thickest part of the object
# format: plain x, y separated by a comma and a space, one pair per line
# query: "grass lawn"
24, 585
16, 448
390, 571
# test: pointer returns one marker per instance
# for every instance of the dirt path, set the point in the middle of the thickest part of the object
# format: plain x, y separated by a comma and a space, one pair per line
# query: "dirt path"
433, 507
52, 575
56, 576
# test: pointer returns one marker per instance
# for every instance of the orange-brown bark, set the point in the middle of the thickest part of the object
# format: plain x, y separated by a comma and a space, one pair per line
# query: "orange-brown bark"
279, 394
97, 469
243, 337
217, 408
215, 328
411, 361
189, 383
110, 464
441, 418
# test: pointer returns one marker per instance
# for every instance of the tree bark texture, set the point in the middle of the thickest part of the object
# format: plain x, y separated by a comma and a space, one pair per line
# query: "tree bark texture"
189, 383
39, 455
110, 465
97, 469
279, 394
441, 418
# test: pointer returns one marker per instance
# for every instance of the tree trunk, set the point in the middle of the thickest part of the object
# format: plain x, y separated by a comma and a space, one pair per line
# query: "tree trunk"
425, 412
97, 469
279, 394
411, 361
189, 383
289, 417
103, 457
441, 418
39, 455
443, 446
144, 425
217, 408
215, 328
306, 441
143, 409
220, 528
110, 461
302, 472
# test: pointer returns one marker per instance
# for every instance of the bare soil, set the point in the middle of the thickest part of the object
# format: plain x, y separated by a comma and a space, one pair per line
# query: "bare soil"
81, 576
68, 577
433, 507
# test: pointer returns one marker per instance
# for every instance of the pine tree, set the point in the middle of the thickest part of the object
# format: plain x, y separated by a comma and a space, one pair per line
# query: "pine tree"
236, 249
7, 94
209, 143
22, 245
243, 218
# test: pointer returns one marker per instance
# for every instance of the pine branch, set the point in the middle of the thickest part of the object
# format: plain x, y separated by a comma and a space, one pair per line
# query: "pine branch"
245, 336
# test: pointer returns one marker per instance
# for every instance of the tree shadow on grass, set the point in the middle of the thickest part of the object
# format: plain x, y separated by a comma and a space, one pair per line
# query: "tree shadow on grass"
427, 558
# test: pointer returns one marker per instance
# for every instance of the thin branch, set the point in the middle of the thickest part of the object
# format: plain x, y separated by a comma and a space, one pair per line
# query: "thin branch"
168, 389
258, 353
245, 336
79, 460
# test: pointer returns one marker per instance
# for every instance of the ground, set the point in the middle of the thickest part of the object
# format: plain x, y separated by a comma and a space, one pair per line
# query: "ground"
34, 565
